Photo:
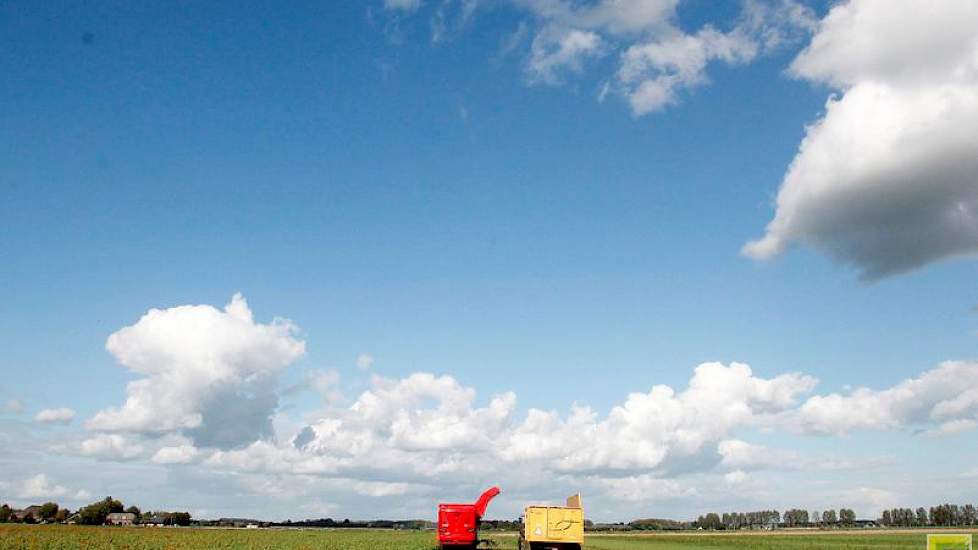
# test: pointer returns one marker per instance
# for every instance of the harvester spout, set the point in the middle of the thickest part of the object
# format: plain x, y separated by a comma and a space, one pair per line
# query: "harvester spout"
483, 502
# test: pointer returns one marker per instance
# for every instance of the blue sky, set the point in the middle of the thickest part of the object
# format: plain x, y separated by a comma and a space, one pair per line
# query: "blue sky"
483, 195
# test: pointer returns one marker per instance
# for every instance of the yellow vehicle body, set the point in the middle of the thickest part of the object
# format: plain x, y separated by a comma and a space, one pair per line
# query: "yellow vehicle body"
560, 525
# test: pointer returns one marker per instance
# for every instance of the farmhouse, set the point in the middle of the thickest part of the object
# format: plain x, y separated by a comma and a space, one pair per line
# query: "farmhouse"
32, 511
120, 518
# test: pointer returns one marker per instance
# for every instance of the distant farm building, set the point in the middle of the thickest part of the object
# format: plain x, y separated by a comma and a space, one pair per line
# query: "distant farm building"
237, 522
155, 520
33, 511
120, 518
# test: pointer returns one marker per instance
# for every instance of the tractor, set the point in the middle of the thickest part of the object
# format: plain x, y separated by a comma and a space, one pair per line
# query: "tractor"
553, 527
458, 524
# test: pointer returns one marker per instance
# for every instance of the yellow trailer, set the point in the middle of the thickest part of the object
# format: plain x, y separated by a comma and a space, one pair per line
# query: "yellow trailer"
554, 527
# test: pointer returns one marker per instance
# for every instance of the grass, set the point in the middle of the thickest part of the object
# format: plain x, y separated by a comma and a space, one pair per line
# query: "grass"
59, 537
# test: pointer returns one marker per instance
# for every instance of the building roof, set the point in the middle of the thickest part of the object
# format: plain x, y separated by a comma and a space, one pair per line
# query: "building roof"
121, 515
32, 510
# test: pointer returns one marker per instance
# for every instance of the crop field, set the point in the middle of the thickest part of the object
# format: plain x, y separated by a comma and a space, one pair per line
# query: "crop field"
56, 537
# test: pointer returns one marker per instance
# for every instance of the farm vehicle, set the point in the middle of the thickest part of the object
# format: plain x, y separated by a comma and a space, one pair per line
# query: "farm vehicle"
458, 524
554, 527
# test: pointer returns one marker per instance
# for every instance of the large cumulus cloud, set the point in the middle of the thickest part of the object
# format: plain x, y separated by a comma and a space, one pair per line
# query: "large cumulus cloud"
425, 432
427, 427
941, 400
207, 373
887, 179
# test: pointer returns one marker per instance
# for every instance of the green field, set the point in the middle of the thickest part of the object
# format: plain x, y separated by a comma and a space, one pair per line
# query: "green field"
56, 537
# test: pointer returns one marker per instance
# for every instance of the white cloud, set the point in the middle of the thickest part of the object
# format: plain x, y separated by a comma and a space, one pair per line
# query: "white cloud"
554, 50
379, 489
736, 477
426, 430
737, 455
403, 5
650, 429
180, 454
61, 415
616, 17
325, 384
741, 455
658, 59
208, 374
653, 72
944, 399
887, 180
365, 360
427, 427
12, 406
777, 23
82, 494
40, 486
645, 488
110, 447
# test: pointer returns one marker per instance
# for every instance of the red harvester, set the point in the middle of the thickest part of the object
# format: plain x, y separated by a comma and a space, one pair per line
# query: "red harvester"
458, 524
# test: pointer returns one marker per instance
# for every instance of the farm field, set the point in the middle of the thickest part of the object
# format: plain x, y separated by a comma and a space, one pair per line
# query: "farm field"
56, 537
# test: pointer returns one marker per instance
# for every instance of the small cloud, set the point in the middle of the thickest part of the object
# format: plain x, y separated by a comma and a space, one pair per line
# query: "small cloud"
365, 361
379, 488
325, 382
180, 454
82, 494
736, 477
61, 415
12, 406
403, 5
40, 486
954, 426
110, 447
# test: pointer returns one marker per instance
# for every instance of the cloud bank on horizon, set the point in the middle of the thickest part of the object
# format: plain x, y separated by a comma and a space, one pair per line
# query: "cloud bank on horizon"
427, 434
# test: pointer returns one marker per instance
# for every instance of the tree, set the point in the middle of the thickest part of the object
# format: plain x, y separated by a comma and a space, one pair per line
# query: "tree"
61, 516
95, 513
922, 516
795, 518
134, 510
709, 521
48, 511
887, 518
969, 515
828, 517
847, 517
181, 518
5, 513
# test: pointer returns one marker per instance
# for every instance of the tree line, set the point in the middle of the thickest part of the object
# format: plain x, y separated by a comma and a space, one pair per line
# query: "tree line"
945, 515
794, 517
96, 513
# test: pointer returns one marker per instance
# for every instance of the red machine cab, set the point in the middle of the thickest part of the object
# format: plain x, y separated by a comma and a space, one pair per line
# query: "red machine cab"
458, 524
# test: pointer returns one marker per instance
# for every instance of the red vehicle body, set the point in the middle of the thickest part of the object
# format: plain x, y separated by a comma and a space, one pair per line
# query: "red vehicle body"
458, 524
